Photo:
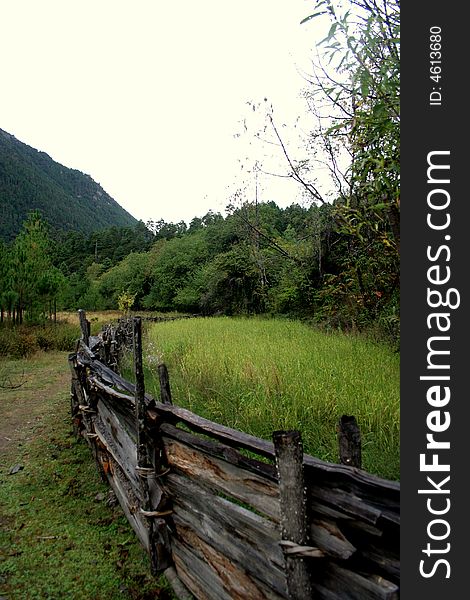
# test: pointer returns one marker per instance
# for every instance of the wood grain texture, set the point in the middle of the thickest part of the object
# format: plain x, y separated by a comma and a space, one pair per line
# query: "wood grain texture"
245, 538
219, 475
222, 507
293, 500
355, 585
118, 443
129, 501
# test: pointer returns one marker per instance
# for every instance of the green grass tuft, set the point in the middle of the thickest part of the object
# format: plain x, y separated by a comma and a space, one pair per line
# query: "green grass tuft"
261, 375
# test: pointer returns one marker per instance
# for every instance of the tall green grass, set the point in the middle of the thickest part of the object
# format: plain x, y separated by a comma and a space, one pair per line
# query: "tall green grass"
260, 375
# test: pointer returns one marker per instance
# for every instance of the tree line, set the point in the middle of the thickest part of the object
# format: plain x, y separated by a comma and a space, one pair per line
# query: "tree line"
259, 259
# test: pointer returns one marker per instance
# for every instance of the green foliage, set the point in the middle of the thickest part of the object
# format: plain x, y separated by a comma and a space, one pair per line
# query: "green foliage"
74, 252
363, 46
17, 343
259, 375
166, 231
30, 278
292, 293
22, 341
259, 259
175, 263
125, 302
363, 117
228, 283
132, 274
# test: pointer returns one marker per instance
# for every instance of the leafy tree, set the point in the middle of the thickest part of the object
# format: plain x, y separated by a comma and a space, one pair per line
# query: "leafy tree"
49, 285
75, 252
7, 298
163, 230
125, 302
75, 291
131, 275
176, 262
29, 261
358, 81
228, 284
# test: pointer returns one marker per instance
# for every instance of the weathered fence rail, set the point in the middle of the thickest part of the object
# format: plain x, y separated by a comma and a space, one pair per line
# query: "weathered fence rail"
238, 517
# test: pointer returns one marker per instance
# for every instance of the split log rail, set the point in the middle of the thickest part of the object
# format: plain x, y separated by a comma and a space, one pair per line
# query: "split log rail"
229, 515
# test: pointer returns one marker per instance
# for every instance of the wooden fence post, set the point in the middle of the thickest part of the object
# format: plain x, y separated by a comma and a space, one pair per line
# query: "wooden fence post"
84, 326
158, 538
349, 440
142, 455
143, 458
289, 464
165, 391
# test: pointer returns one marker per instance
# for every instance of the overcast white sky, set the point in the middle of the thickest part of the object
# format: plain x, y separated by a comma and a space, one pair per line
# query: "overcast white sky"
147, 96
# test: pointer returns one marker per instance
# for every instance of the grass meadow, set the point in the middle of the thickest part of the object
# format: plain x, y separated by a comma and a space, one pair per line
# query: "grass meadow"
262, 375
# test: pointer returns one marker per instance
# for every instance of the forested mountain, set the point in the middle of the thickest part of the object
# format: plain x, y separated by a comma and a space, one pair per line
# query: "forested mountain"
66, 198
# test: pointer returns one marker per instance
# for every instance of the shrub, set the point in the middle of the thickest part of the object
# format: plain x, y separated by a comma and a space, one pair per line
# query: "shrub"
24, 340
17, 342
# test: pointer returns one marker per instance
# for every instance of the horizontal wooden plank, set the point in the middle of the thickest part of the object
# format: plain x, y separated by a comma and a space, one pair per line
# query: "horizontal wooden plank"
129, 502
379, 546
220, 572
388, 563
378, 497
319, 509
247, 539
196, 574
354, 516
258, 492
96, 383
122, 413
342, 503
345, 503
106, 375
378, 553
231, 437
321, 593
328, 537
117, 441
220, 450
351, 584
265, 448
345, 488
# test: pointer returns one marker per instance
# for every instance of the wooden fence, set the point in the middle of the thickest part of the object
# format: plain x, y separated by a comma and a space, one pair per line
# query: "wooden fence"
235, 516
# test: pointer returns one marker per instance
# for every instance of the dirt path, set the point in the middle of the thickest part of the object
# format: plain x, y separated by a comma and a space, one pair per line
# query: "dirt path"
60, 535
26, 385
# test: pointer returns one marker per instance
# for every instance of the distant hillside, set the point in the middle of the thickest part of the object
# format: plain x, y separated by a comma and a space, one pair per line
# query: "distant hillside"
67, 198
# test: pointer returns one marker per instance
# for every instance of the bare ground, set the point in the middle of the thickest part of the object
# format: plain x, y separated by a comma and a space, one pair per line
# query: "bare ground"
25, 385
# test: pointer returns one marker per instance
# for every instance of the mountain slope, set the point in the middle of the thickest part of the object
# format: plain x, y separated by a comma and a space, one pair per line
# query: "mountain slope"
67, 198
